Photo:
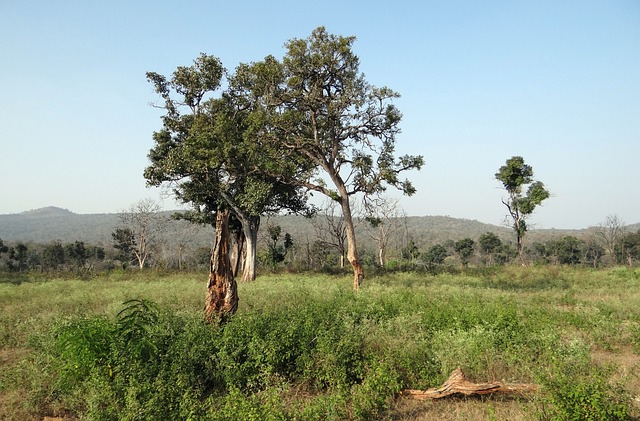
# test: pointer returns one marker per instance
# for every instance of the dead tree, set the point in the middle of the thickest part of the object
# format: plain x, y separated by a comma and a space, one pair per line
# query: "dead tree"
457, 384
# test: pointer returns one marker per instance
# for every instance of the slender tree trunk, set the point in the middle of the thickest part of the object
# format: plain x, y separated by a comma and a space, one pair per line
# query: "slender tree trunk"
250, 225
222, 291
520, 240
250, 228
236, 252
352, 249
519, 248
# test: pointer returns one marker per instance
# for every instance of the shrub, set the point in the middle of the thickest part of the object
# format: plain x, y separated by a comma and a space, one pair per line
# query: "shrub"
575, 389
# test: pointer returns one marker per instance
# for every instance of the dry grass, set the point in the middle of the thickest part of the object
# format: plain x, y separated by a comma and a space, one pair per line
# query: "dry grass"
462, 409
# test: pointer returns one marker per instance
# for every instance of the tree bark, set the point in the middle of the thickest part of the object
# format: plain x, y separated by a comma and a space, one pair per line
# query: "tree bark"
250, 228
236, 252
221, 300
520, 240
457, 384
352, 249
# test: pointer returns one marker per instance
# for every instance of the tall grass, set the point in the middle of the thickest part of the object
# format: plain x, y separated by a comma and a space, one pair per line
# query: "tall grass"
125, 346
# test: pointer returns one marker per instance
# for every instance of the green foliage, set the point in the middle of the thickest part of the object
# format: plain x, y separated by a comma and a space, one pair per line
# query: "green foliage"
53, 255
151, 364
436, 256
628, 249
276, 253
3, 247
124, 240
304, 347
411, 251
465, 249
515, 175
578, 391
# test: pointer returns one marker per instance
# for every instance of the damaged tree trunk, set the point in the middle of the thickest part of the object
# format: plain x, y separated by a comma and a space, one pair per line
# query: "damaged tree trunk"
458, 384
222, 291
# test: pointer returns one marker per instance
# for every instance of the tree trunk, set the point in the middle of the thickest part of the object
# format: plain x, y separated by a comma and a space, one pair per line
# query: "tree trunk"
180, 256
250, 228
519, 228
352, 249
222, 291
519, 247
236, 252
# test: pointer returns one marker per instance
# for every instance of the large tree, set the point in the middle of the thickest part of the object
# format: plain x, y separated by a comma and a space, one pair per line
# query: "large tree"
317, 105
515, 175
204, 152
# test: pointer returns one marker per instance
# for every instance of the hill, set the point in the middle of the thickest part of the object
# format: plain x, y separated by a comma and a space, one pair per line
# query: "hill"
51, 223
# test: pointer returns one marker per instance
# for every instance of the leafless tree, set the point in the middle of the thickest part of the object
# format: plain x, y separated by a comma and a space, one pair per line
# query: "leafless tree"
593, 250
384, 217
330, 228
183, 233
610, 232
146, 226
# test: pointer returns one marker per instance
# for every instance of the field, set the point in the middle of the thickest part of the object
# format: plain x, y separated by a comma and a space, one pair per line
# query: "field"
127, 345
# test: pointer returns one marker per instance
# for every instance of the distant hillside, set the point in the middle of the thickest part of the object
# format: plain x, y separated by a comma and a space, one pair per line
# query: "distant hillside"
424, 230
47, 212
51, 223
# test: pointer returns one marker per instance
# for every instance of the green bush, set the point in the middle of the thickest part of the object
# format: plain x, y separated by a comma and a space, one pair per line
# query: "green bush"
150, 364
584, 396
575, 389
309, 348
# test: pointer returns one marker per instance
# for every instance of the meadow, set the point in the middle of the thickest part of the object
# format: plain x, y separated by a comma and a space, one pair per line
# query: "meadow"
132, 346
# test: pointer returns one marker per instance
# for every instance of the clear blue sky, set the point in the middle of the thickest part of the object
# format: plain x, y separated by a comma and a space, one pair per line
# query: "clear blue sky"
557, 82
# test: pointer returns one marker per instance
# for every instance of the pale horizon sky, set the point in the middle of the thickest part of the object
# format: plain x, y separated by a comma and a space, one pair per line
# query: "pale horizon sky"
555, 82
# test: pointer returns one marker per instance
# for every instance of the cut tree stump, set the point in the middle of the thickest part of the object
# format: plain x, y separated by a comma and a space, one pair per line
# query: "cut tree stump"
458, 384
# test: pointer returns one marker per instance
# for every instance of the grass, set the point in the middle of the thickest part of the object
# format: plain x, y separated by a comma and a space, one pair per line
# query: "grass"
128, 345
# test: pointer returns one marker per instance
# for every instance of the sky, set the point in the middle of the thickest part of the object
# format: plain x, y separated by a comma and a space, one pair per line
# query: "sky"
556, 82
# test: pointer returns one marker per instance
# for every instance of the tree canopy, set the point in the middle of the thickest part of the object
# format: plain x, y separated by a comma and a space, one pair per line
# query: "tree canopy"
204, 151
515, 175
316, 105
281, 128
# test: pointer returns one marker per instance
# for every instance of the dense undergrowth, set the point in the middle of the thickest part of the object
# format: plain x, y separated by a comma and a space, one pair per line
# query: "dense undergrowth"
306, 347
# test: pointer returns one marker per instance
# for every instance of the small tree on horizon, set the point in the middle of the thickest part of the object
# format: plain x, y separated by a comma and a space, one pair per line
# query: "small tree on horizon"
489, 244
383, 217
515, 175
140, 228
464, 248
610, 232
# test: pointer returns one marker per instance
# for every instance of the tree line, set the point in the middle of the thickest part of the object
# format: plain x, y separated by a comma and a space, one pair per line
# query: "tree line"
323, 250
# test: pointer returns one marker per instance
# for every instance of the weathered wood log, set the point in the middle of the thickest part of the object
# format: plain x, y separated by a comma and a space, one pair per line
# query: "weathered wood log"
458, 384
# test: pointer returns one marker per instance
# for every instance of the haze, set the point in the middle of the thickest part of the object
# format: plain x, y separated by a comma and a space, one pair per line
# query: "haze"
557, 83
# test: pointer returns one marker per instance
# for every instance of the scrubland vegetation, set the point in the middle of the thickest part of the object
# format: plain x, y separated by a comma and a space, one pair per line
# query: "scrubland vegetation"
132, 345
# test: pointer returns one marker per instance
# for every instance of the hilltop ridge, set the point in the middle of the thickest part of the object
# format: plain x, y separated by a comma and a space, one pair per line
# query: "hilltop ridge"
53, 223
48, 211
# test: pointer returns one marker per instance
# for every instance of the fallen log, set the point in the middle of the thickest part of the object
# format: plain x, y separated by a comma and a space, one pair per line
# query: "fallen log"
458, 384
